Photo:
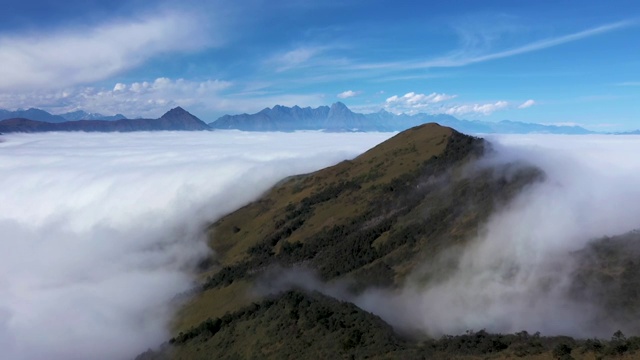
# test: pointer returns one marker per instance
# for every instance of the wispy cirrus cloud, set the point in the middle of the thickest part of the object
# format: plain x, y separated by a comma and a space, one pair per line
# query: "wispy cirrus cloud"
533, 46
81, 55
466, 56
294, 58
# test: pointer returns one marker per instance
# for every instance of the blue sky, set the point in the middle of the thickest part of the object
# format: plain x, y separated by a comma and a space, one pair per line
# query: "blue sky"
557, 62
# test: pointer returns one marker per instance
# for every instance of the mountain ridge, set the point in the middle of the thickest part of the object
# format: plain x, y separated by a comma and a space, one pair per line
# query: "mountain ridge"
339, 117
45, 116
83, 115
335, 118
176, 119
373, 222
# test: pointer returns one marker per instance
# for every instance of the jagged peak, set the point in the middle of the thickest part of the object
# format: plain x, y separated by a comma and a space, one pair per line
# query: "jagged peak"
339, 105
177, 111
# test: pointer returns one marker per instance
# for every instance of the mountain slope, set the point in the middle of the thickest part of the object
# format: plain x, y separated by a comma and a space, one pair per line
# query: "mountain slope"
83, 115
278, 118
175, 119
41, 115
31, 114
374, 212
303, 325
371, 222
367, 222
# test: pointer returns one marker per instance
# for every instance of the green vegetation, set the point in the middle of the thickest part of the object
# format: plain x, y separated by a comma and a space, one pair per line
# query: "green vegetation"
608, 273
296, 325
334, 227
371, 221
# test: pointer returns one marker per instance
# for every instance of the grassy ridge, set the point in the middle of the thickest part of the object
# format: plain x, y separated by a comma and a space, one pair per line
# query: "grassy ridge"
297, 325
370, 220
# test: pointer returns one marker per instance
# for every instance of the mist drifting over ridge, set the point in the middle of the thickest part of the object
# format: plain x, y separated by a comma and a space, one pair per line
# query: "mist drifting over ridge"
518, 272
99, 231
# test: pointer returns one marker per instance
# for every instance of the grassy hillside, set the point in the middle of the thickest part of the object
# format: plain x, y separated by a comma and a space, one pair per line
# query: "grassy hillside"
608, 275
365, 222
370, 220
297, 325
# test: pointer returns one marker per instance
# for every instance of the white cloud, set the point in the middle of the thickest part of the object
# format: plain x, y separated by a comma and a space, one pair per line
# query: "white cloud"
516, 275
151, 99
347, 94
146, 99
119, 87
412, 102
99, 231
526, 104
81, 55
480, 109
434, 103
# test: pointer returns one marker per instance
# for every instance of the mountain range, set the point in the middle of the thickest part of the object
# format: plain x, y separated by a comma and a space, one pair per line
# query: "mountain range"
41, 115
174, 119
335, 118
339, 118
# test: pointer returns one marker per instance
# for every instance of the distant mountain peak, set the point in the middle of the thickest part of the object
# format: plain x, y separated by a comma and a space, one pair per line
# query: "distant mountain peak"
339, 105
83, 115
339, 109
338, 117
177, 112
175, 119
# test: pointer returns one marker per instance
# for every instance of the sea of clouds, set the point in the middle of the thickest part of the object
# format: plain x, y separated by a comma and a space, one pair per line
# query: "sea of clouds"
99, 232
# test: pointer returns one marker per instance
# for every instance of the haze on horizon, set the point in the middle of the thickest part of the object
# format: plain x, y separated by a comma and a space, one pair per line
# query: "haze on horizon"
543, 62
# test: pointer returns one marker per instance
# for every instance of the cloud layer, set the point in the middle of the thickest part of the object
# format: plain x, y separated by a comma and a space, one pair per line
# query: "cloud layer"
435, 103
99, 231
